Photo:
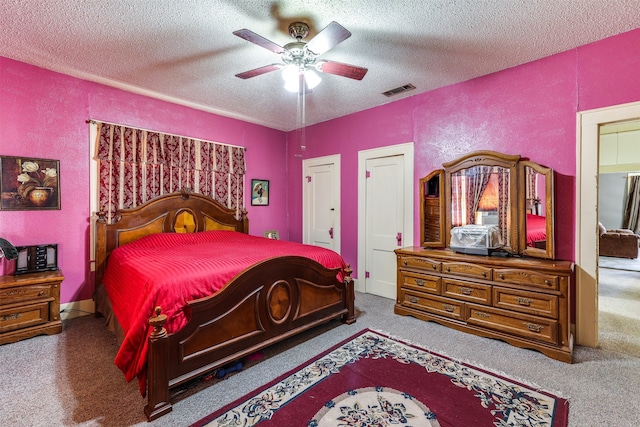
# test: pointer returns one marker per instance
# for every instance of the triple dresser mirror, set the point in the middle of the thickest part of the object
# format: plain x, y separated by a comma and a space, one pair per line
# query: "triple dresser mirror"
488, 203
510, 195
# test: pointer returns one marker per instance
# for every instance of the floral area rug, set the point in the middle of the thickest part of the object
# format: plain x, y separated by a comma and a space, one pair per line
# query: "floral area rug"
375, 380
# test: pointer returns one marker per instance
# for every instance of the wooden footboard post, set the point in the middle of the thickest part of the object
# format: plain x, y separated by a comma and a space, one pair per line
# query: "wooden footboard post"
350, 295
157, 378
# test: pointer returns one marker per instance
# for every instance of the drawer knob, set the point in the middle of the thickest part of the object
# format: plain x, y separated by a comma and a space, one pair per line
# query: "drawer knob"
481, 314
448, 268
448, 308
420, 282
413, 299
405, 263
7, 317
465, 291
484, 274
547, 282
501, 275
533, 327
435, 267
524, 301
40, 293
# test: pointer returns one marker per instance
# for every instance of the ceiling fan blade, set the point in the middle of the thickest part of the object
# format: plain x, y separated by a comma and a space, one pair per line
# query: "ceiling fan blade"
259, 40
340, 69
330, 36
259, 71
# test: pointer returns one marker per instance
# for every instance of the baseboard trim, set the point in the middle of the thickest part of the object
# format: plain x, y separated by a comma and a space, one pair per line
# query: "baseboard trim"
74, 309
357, 287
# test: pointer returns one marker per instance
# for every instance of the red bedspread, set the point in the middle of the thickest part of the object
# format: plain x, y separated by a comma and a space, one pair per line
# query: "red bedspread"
536, 229
170, 269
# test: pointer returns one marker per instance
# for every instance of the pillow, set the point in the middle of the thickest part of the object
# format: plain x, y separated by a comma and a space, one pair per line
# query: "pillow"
601, 229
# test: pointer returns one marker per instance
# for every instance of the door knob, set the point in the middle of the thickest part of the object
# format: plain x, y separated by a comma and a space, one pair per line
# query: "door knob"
331, 232
399, 239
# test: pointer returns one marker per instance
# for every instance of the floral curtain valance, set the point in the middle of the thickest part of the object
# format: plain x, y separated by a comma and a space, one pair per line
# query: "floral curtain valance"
137, 165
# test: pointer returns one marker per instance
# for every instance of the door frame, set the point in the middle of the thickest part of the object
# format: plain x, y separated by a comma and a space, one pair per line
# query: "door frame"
586, 232
318, 161
406, 150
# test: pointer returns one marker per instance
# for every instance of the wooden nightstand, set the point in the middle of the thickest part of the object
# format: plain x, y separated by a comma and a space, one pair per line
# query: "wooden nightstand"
30, 305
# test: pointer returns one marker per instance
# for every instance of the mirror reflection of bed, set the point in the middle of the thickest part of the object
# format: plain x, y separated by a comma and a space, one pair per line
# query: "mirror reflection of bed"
536, 215
538, 204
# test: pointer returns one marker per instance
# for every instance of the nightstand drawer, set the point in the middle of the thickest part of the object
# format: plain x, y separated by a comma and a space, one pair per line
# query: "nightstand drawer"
24, 293
538, 304
23, 316
30, 305
510, 323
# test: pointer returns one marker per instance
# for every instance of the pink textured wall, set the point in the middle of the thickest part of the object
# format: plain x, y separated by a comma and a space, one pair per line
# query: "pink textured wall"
528, 110
43, 114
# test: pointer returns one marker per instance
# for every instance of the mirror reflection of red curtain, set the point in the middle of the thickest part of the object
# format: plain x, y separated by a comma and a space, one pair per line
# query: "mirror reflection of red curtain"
457, 199
477, 180
136, 165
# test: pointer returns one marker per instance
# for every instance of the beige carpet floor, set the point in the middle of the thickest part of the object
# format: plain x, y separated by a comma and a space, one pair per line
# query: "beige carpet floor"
69, 379
632, 264
619, 310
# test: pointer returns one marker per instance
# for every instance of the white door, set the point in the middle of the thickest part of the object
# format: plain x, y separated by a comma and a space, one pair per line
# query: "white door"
384, 220
321, 202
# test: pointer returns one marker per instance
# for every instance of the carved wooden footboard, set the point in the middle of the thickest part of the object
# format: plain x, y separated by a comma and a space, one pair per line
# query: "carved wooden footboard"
269, 302
266, 303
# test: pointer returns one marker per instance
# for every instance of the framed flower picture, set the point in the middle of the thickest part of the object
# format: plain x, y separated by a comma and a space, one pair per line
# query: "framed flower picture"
27, 183
259, 192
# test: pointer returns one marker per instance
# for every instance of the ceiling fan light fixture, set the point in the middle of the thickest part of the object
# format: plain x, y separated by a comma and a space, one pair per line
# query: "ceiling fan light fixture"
291, 77
290, 73
312, 79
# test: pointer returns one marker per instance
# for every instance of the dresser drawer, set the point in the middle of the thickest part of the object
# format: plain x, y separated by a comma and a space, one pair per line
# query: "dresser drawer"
421, 263
432, 210
526, 277
538, 304
432, 304
467, 269
24, 293
421, 282
511, 323
431, 221
468, 291
18, 317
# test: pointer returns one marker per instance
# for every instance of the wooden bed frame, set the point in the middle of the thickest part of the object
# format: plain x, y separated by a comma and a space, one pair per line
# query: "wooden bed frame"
266, 303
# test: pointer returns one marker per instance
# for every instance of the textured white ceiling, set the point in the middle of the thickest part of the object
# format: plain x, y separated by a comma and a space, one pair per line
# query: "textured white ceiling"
184, 51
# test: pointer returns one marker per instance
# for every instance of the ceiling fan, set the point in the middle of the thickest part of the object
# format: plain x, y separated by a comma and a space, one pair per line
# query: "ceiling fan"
298, 57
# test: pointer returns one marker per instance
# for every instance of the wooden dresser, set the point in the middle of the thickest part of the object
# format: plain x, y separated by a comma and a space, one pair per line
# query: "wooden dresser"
522, 301
29, 305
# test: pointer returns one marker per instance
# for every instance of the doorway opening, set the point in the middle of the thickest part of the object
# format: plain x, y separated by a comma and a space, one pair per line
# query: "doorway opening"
618, 272
586, 233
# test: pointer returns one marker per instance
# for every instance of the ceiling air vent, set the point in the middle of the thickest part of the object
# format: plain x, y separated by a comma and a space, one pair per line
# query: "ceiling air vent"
398, 90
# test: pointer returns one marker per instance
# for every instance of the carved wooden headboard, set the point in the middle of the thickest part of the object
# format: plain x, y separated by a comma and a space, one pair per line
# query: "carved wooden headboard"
182, 212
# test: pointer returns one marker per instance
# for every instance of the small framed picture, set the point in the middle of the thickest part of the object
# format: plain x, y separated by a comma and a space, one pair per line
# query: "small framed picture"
272, 234
259, 192
27, 183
